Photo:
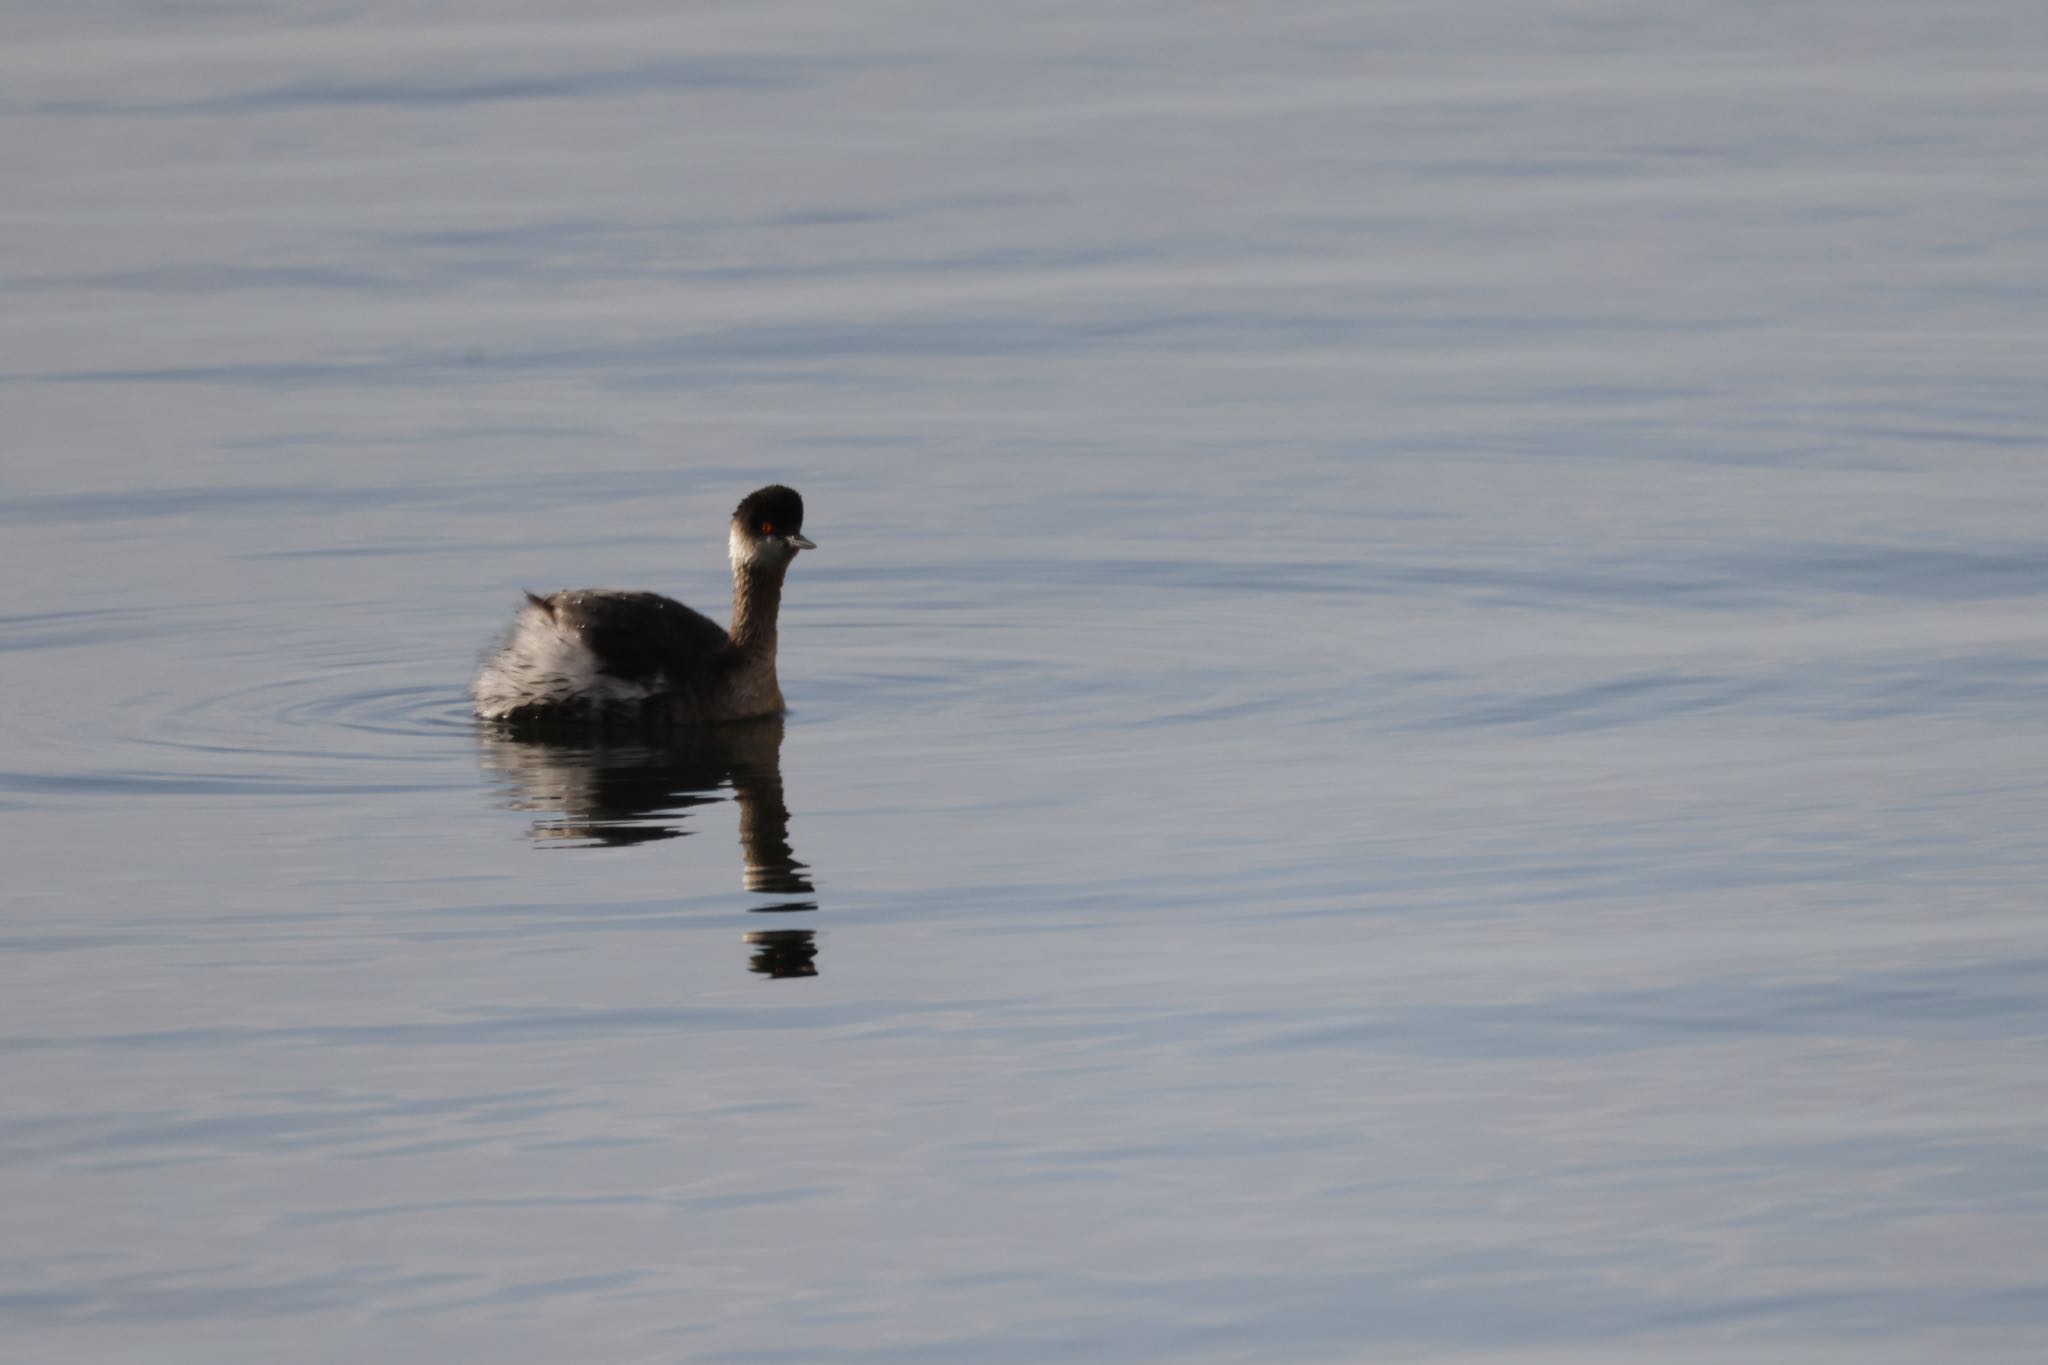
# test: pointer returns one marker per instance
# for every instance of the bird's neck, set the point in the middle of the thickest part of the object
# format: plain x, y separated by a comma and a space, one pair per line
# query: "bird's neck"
756, 601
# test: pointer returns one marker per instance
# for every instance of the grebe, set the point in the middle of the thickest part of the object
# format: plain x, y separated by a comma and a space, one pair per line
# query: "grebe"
590, 655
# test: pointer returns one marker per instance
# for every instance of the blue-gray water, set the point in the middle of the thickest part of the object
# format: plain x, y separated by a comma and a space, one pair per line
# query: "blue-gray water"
1417, 731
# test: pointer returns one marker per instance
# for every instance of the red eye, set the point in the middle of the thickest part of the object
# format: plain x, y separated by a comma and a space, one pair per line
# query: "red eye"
767, 528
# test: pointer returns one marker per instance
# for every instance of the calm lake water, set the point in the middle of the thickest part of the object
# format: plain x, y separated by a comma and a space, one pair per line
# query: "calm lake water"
1416, 733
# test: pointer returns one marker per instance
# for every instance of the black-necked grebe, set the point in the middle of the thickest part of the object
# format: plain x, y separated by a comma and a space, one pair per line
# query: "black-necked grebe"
591, 655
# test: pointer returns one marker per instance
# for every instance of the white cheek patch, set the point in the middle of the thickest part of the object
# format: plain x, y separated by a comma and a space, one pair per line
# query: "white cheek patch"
767, 552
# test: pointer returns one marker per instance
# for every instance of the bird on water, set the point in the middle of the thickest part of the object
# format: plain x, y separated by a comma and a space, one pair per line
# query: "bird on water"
597, 656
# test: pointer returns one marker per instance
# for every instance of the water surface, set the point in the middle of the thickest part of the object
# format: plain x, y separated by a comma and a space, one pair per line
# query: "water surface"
1415, 732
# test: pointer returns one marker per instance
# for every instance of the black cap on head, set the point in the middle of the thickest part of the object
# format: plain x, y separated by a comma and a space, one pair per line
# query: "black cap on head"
770, 511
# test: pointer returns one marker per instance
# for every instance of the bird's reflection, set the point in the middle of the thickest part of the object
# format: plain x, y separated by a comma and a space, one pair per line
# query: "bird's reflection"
599, 790
784, 952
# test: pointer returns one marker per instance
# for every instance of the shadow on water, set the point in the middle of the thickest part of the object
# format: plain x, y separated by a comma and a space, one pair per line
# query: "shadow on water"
609, 790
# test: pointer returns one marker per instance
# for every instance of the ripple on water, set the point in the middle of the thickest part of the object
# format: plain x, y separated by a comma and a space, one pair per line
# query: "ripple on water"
356, 727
